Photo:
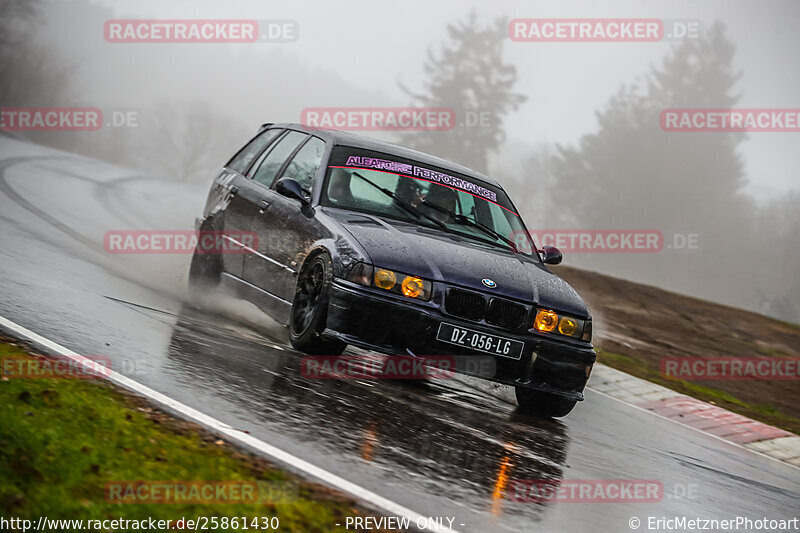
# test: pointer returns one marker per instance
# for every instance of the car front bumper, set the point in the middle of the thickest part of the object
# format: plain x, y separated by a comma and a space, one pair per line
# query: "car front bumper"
382, 323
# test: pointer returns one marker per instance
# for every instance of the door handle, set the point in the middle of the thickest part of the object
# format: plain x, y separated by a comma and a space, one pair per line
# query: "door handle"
263, 206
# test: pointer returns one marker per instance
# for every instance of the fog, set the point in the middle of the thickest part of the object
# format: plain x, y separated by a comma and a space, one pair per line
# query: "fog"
571, 129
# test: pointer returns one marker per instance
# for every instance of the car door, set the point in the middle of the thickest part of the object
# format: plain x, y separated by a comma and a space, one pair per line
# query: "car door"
285, 226
233, 198
259, 267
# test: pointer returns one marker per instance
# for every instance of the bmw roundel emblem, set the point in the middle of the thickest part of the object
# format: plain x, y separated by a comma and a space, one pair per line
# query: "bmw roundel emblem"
489, 283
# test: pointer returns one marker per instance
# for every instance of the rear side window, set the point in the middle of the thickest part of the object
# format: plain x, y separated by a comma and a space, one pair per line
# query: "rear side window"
274, 160
242, 160
303, 166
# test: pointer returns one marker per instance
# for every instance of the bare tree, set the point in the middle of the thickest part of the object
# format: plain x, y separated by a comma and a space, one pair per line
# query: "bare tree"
777, 228
32, 76
186, 141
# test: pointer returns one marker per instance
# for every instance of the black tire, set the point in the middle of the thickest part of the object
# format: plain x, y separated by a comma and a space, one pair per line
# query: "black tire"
542, 404
310, 309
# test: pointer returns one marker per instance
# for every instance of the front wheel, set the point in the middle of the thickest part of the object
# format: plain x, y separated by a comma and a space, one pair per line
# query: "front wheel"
543, 404
310, 309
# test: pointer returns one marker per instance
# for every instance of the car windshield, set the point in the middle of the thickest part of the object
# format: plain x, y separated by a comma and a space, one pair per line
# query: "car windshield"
396, 188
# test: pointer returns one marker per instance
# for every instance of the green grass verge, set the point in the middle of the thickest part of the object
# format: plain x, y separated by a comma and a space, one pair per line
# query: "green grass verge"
639, 368
62, 440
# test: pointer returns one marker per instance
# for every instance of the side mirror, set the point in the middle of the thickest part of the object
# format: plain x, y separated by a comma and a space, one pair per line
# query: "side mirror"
291, 189
550, 255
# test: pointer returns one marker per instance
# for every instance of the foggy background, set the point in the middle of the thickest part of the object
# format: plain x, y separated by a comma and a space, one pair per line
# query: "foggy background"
572, 131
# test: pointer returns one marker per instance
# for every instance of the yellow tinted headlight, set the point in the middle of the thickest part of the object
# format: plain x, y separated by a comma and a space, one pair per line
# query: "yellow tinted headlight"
551, 322
413, 287
567, 326
407, 285
545, 320
385, 279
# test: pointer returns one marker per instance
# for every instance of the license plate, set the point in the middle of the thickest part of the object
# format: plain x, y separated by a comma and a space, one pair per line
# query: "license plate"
476, 340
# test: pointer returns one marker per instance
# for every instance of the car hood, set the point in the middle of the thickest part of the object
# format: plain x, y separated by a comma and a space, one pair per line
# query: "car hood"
439, 256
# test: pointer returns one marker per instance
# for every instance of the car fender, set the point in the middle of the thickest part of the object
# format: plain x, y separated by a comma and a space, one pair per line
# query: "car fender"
342, 252
343, 248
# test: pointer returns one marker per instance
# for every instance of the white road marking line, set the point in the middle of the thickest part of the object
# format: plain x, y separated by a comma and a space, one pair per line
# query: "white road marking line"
320, 474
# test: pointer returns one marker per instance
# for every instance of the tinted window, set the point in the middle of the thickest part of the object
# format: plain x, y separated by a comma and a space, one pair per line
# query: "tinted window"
305, 163
273, 161
242, 160
359, 180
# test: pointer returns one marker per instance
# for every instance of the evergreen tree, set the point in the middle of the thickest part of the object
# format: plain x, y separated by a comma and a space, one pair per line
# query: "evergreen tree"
469, 76
638, 173
632, 174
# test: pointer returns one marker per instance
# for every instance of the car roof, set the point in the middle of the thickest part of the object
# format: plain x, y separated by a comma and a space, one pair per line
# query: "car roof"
344, 138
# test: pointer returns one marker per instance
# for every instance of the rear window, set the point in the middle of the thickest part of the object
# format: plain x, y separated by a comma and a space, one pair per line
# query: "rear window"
242, 160
273, 161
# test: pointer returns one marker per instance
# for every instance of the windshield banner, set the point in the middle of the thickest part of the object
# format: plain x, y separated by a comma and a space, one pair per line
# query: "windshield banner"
420, 172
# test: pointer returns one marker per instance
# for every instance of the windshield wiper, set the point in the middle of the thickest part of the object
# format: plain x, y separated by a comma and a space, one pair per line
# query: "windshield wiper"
463, 219
407, 207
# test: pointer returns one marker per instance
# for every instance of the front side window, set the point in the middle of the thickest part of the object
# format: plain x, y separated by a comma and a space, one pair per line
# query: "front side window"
396, 188
272, 161
242, 160
303, 166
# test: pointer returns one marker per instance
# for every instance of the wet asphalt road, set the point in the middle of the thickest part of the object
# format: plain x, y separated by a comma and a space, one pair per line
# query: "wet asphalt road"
443, 448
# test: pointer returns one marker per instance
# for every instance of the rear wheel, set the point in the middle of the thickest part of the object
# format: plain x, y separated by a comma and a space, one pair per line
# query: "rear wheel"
310, 309
543, 404
205, 272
